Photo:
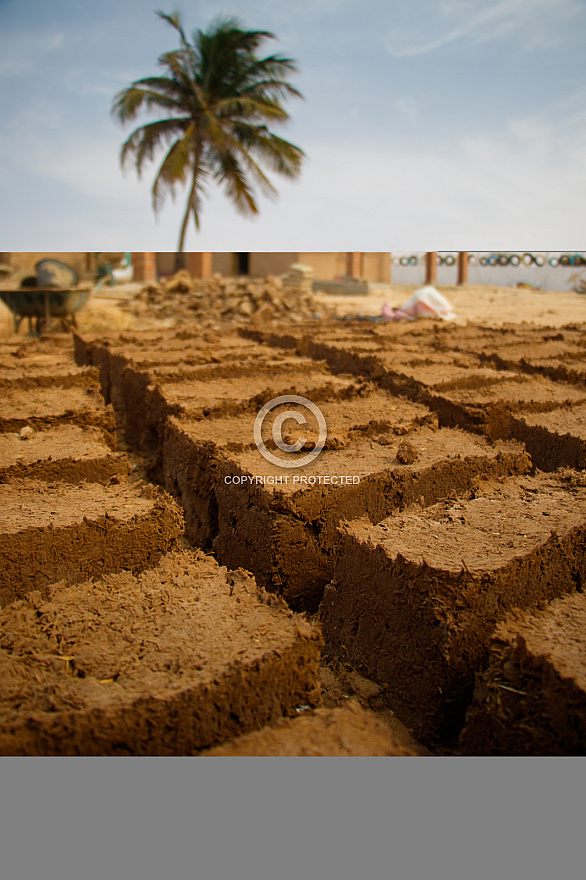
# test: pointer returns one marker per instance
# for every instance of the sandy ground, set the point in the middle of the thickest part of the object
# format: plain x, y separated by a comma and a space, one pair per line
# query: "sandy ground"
485, 305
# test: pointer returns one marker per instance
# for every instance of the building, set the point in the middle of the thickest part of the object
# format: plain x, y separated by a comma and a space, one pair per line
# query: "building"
149, 266
327, 266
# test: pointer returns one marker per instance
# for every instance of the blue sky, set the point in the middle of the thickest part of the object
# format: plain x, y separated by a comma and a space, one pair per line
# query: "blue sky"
456, 125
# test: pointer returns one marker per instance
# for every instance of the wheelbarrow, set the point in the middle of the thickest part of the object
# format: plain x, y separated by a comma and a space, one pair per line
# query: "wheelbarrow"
44, 304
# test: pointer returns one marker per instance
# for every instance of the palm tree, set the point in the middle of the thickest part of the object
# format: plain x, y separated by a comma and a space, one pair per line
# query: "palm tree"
219, 99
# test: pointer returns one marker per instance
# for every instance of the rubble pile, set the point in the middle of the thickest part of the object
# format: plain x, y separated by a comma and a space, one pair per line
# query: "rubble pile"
225, 300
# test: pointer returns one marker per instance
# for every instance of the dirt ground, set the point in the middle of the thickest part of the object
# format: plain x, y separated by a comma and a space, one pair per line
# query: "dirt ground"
492, 306
442, 423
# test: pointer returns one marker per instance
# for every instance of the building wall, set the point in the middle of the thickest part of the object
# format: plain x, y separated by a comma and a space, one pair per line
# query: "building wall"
326, 266
376, 267
263, 264
225, 263
165, 263
260, 264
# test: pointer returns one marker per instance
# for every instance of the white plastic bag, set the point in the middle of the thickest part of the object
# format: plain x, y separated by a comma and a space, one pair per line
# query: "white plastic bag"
426, 302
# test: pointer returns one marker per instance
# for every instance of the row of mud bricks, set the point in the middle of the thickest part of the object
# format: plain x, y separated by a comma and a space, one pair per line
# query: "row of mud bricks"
441, 543
118, 636
440, 553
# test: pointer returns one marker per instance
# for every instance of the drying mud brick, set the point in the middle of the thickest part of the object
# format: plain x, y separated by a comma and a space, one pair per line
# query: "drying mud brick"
559, 355
148, 377
37, 376
415, 599
51, 532
45, 407
349, 731
178, 659
283, 537
465, 389
48, 351
531, 700
554, 439
488, 401
146, 402
284, 531
67, 453
148, 350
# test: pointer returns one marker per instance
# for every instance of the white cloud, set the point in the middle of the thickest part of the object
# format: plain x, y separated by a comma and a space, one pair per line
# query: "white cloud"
26, 53
90, 167
534, 23
400, 184
407, 107
505, 192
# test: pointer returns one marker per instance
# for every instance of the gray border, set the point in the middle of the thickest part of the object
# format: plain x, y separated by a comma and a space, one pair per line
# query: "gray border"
275, 819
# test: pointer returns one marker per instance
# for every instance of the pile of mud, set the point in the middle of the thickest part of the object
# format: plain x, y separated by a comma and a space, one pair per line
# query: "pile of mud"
448, 492
431, 558
221, 300
116, 638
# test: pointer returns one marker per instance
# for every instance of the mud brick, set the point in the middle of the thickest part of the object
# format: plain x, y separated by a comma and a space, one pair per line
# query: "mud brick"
151, 349
172, 387
553, 439
490, 401
415, 598
514, 346
349, 731
284, 530
456, 386
45, 407
147, 401
51, 532
46, 352
67, 453
357, 351
195, 352
531, 699
431, 366
177, 659
151, 377
466, 394
437, 369
265, 361
559, 355
32, 376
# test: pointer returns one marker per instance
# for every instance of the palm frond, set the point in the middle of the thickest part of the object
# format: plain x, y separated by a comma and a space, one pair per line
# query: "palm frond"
232, 175
174, 19
174, 169
280, 155
147, 139
139, 95
221, 144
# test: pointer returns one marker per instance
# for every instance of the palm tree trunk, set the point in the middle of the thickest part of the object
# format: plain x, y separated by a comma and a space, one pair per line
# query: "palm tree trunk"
186, 218
190, 201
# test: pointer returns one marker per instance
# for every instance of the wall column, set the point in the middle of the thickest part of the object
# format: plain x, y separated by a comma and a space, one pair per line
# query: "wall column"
144, 266
198, 264
431, 267
462, 267
354, 265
